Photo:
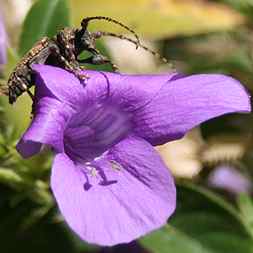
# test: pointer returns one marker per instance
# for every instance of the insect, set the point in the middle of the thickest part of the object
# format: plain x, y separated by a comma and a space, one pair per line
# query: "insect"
63, 50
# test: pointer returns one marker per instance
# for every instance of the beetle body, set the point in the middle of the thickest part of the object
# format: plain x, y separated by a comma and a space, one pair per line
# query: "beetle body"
62, 51
20, 79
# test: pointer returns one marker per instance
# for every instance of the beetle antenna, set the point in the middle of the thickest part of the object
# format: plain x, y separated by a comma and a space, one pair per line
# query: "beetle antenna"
98, 35
85, 22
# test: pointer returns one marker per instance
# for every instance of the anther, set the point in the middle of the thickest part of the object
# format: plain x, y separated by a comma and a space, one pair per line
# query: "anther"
115, 166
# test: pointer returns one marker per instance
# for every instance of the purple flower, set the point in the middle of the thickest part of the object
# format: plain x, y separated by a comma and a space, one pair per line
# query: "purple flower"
228, 178
109, 182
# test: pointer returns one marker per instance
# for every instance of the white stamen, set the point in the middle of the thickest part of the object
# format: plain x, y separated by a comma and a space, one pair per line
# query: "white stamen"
94, 172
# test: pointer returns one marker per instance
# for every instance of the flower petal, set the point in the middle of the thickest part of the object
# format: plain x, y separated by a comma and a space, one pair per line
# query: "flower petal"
184, 103
130, 91
140, 200
46, 128
57, 83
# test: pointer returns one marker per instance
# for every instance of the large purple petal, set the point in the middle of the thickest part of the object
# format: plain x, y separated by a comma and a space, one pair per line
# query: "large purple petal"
183, 104
47, 127
140, 200
129, 91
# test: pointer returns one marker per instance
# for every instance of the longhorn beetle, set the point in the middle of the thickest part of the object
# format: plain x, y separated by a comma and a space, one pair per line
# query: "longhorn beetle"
63, 50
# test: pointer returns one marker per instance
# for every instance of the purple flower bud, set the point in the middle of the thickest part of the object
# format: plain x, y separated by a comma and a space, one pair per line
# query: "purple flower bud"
228, 178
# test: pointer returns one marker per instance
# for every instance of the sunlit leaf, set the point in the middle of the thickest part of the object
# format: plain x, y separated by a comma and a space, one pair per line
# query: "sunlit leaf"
245, 204
45, 18
159, 18
10, 178
13, 58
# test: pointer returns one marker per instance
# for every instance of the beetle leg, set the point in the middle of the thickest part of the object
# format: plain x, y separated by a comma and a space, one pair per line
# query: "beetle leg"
70, 66
97, 59
25, 81
23, 85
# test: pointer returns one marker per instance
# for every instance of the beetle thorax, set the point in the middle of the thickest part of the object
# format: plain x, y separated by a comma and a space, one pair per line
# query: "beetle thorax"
66, 42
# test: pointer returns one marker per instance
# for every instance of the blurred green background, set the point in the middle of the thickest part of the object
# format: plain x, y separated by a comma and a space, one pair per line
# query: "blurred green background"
201, 36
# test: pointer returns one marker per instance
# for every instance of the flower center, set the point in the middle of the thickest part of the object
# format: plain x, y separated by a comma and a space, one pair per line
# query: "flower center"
89, 136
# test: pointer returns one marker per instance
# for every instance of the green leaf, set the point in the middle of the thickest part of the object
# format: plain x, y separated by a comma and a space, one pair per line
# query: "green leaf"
10, 177
200, 197
169, 239
203, 222
158, 19
173, 240
226, 242
44, 237
244, 6
246, 207
45, 18
12, 61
